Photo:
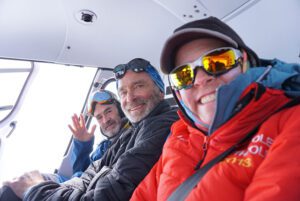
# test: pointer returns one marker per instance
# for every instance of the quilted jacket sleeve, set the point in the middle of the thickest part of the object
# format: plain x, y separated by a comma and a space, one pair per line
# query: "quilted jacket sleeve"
73, 189
151, 181
278, 177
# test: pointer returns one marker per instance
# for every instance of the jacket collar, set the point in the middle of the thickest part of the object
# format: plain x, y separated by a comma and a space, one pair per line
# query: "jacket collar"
280, 76
261, 103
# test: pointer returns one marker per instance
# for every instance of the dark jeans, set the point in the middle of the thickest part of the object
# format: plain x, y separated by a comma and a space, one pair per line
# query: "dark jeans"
6, 194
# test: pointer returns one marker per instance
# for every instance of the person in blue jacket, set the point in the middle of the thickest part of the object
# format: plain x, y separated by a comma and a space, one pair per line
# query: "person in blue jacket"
104, 106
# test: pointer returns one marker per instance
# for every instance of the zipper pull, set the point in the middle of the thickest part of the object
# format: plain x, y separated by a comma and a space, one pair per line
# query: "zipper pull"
204, 149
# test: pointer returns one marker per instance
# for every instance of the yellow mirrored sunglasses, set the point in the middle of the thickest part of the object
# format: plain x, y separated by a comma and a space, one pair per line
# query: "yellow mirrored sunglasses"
214, 62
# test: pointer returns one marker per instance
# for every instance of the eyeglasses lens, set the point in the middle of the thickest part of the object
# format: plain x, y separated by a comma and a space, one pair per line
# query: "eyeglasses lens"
182, 77
119, 71
219, 61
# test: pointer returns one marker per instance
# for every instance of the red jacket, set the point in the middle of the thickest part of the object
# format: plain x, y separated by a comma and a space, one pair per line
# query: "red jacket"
267, 167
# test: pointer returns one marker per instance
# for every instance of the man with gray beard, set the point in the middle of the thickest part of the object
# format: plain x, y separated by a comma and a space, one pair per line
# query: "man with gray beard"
104, 106
127, 162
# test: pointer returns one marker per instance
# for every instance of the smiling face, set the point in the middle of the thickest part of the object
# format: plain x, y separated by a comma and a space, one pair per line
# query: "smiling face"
108, 118
139, 95
201, 97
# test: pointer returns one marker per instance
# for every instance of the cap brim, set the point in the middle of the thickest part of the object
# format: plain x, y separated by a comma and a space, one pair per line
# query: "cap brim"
183, 36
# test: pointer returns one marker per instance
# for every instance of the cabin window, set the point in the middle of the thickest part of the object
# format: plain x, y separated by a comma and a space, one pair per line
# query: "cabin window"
13, 75
41, 134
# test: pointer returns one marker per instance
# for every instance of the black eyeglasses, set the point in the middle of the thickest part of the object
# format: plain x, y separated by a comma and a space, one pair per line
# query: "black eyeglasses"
136, 65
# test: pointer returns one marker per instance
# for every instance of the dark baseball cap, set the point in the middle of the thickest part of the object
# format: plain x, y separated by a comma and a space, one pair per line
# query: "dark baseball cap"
210, 27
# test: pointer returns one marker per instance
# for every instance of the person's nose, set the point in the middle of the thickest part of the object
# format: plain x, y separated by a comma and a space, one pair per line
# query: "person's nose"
130, 96
202, 78
105, 119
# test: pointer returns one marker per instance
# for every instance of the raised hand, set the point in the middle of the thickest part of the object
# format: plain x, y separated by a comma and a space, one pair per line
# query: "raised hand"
79, 129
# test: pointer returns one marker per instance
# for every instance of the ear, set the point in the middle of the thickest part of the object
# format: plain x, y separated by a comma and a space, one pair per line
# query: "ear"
245, 62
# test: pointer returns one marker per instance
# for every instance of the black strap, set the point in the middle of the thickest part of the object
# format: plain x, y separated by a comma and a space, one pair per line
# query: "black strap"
189, 184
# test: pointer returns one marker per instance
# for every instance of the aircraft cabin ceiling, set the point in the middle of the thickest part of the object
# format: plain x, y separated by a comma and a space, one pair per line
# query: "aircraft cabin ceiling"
108, 32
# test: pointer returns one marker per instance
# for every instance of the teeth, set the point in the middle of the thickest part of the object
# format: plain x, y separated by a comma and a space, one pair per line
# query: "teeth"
208, 98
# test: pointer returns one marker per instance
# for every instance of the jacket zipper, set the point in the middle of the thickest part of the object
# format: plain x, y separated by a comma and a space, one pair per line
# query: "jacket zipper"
204, 149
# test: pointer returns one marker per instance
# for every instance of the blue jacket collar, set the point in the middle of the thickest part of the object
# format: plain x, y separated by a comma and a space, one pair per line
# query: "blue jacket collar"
276, 74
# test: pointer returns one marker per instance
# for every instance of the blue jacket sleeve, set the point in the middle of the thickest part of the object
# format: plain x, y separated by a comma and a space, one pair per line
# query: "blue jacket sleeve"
80, 155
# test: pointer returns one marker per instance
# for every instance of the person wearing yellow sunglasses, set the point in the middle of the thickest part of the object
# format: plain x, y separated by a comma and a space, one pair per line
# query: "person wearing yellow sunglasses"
238, 133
